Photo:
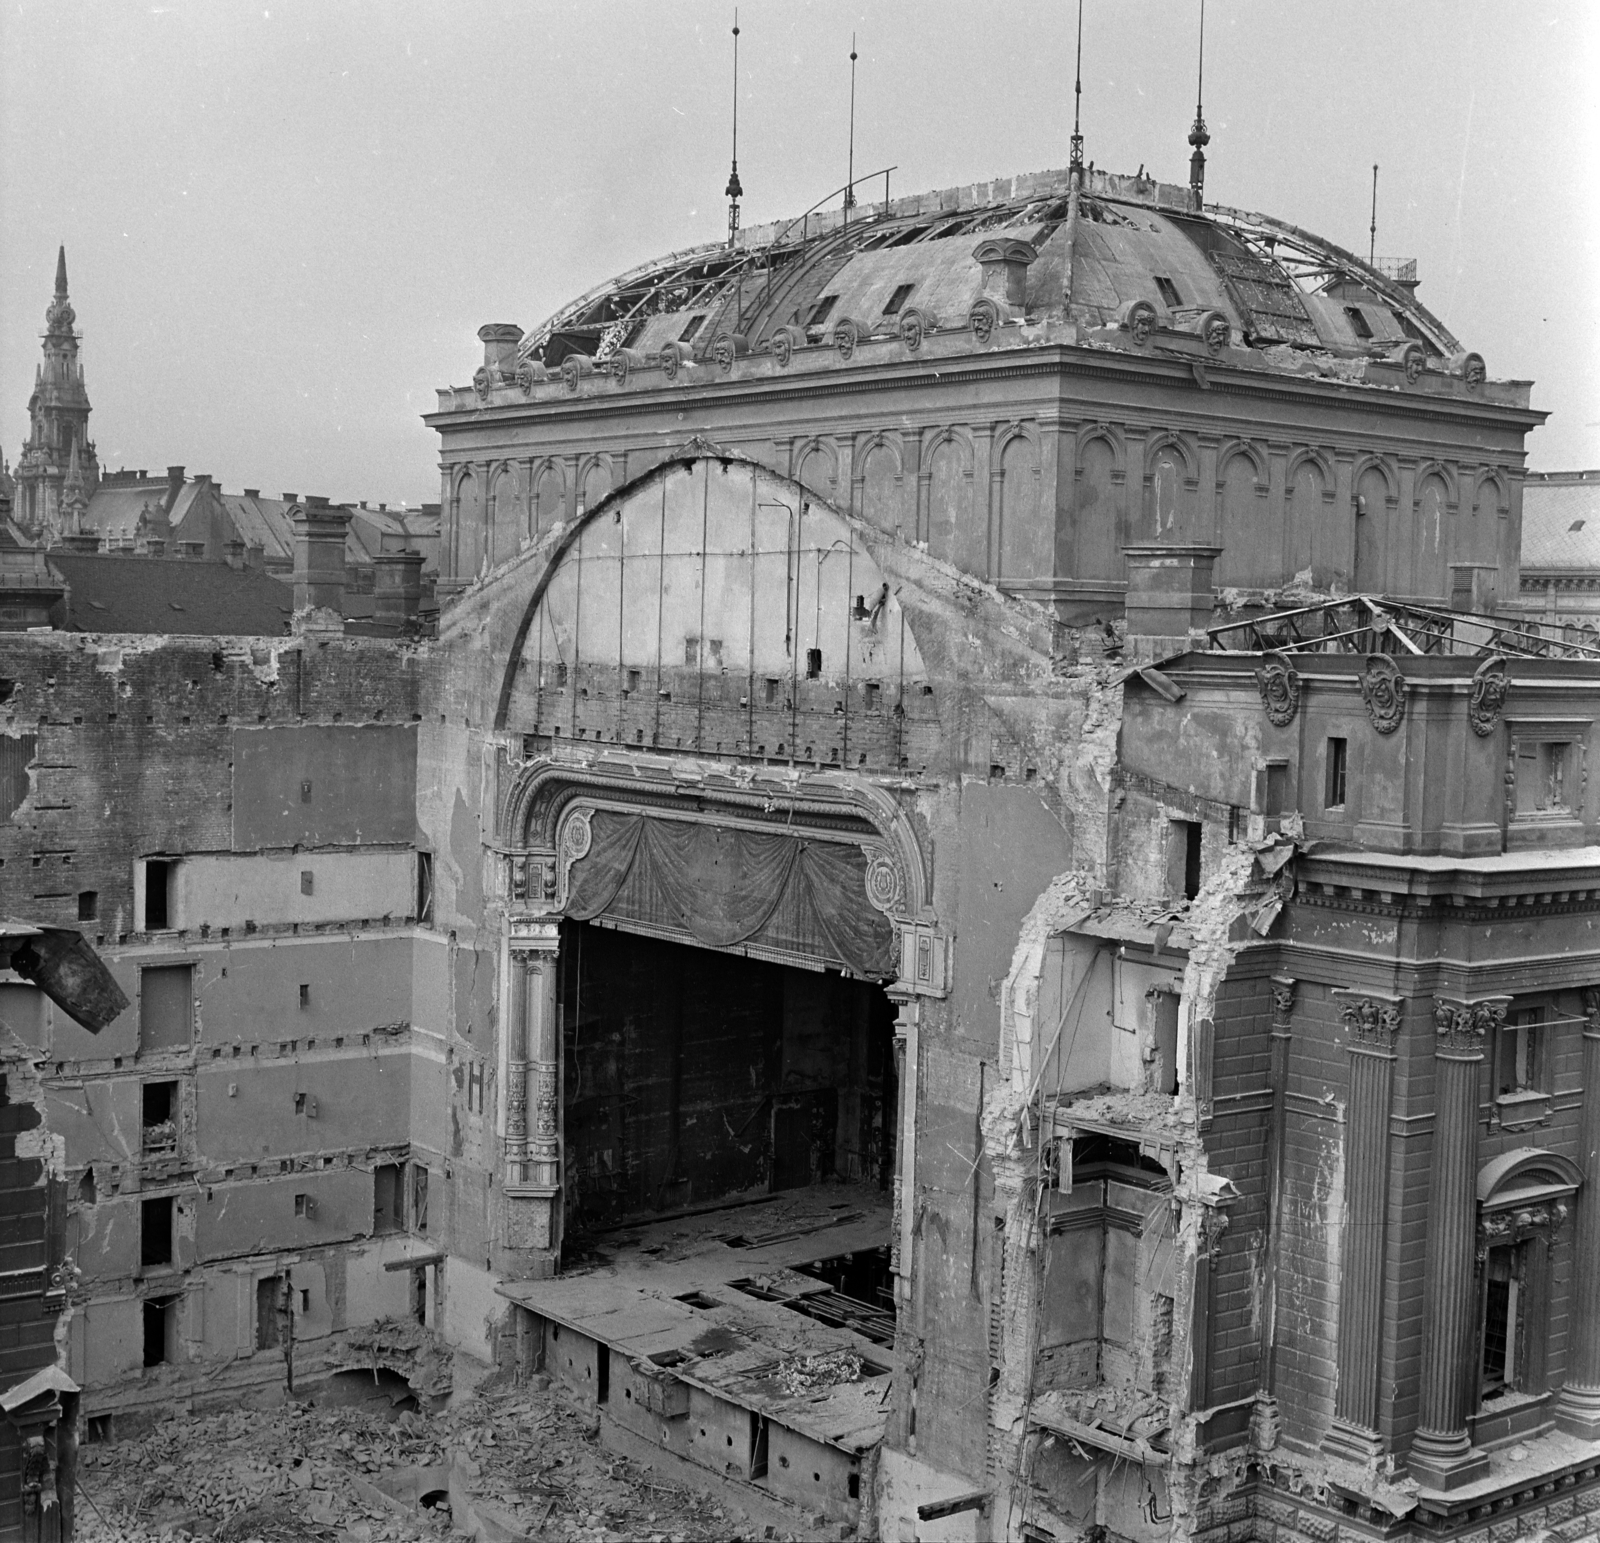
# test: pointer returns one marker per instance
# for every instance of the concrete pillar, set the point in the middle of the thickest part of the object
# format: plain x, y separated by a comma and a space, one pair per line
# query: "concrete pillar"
1370, 1029
1442, 1456
1578, 1405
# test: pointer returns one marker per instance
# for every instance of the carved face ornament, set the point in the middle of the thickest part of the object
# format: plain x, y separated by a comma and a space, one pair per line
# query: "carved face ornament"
1279, 684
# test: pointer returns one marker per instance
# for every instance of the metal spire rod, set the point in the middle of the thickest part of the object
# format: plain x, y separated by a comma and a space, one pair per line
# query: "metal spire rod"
1198, 137
850, 180
734, 191
1075, 161
1372, 231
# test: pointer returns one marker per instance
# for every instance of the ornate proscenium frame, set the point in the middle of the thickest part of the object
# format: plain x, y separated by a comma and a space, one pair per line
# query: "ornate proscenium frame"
544, 828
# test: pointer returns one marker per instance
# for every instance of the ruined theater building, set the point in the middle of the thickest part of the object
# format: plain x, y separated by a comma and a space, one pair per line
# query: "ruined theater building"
979, 923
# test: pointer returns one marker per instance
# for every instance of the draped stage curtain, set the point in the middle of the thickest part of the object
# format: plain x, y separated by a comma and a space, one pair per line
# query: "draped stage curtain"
728, 887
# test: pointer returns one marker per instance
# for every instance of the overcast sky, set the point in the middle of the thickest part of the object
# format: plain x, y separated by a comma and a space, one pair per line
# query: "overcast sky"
285, 221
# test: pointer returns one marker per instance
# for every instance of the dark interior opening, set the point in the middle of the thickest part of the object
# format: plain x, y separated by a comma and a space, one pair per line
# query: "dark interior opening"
691, 1075
159, 1326
157, 881
155, 1231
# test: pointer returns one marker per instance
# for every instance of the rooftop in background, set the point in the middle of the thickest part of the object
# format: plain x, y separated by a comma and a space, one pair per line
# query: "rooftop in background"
125, 593
1561, 521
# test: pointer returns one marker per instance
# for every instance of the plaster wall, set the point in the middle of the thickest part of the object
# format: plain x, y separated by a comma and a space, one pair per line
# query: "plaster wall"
236, 891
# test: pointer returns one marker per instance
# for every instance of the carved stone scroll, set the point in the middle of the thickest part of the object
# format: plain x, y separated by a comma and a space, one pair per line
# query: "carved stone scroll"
1279, 684
1487, 695
1383, 689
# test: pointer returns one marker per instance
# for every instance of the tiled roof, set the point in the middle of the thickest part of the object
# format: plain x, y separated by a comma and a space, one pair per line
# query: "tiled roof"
110, 593
1561, 521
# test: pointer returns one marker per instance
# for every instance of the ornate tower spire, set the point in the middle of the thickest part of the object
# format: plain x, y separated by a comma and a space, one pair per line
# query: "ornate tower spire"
1198, 137
58, 451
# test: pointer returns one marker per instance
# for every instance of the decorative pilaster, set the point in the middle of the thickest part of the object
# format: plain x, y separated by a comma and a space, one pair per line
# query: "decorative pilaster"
907, 1015
1442, 1456
1371, 1025
533, 1053
1578, 1405
1264, 1419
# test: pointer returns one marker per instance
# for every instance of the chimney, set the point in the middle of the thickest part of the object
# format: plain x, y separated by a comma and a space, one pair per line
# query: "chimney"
319, 534
194, 551
155, 546
290, 498
1169, 595
1005, 262
174, 486
234, 551
500, 339
396, 587
82, 541
252, 492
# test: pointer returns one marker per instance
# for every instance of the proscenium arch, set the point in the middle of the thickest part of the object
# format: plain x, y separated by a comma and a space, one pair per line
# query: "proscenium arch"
835, 807
551, 556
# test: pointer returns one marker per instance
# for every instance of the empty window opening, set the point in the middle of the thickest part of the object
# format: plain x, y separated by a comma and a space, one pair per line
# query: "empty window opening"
813, 664
387, 1198
1169, 292
98, 1429
901, 294
307, 883
1519, 1057
155, 1232
1338, 763
602, 1381
271, 1307
160, 913
1183, 858
425, 888
1505, 1298
160, 1331
419, 1198
166, 1007
822, 310
1358, 321
88, 904
305, 996
160, 1117
305, 1207
690, 327
305, 792
87, 1194
874, 694
770, 696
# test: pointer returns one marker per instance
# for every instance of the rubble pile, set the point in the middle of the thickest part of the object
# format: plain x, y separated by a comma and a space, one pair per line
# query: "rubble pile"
809, 1373
502, 1465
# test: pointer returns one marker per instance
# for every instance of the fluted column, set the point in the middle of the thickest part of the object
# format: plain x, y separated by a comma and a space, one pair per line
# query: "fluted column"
1370, 1028
1578, 1405
1442, 1456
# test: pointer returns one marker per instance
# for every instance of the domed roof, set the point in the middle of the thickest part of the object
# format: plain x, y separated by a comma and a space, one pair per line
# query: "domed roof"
1136, 243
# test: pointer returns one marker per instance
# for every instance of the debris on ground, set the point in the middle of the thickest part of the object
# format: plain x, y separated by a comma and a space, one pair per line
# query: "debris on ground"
502, 1465
809, 1373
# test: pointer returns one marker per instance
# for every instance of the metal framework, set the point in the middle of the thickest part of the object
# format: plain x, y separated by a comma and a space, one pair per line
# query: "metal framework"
1370, 624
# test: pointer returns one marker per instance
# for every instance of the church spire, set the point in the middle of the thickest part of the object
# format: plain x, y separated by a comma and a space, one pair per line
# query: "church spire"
61, 273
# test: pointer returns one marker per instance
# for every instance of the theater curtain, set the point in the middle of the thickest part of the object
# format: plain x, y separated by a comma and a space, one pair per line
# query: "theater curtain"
732, 887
